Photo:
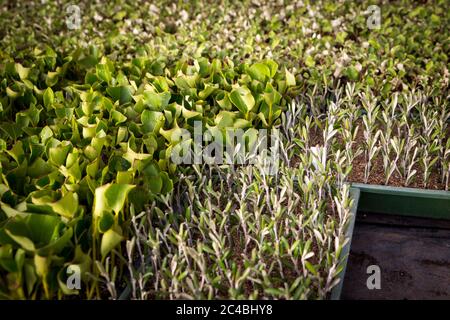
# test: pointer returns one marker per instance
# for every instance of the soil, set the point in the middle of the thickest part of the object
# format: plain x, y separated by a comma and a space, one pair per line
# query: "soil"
412, 254
377, 175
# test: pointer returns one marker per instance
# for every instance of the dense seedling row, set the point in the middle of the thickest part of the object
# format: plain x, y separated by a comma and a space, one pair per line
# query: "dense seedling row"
237, 232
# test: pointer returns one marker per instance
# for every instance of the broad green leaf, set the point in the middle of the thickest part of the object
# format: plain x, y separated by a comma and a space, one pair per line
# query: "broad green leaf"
155, 184
259, 71
290, 79
41, 228
225, 119
17, 152
49, 98
117, 117
157, 101
186, 82
124, 177
110, 240
110, 197
38, 232
209, 89
46, 133
130, 157
243, 99
272, 97
273, 67
105, 222
11, 212
242, 123
153, 178
175, 134
167, 184
12, 130
51, 78
22, 71
30, 276
12, 94
39, 168
22, 241
152, 121
103, 72
189, 114
42, 265
58, 155
57, 245
67, 206
120, 93
223, 101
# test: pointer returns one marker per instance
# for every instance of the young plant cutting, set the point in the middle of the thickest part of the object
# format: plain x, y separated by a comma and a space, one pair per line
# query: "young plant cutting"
221, 150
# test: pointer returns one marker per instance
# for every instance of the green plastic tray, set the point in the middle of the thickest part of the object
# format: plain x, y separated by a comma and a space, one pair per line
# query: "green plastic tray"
392, 200
404, 201
336, 291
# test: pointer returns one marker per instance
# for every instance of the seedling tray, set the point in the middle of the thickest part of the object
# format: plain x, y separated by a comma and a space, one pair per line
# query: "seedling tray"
404, 201
425, 205
355, 194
